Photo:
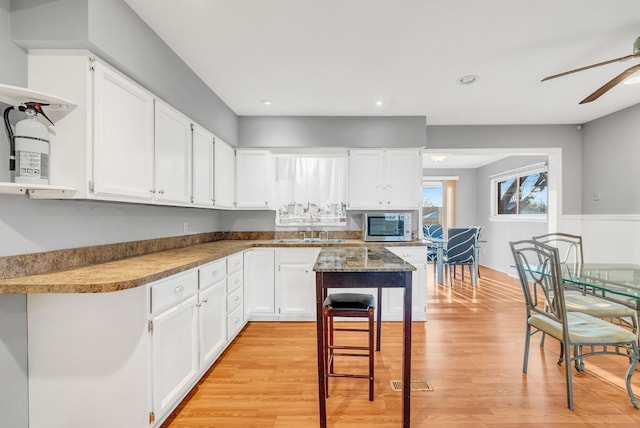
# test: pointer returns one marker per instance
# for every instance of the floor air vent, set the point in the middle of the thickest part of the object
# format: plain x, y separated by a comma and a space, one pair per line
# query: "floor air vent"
416, 385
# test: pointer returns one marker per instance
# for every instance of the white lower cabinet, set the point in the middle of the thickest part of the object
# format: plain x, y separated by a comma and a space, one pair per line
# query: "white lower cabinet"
174, 339
393, 299
213, 312
296, 283
280, 285
235, 295
127, 358
259, 284
174, 354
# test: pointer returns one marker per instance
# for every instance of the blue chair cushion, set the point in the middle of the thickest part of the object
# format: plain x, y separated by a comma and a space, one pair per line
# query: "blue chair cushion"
350, 301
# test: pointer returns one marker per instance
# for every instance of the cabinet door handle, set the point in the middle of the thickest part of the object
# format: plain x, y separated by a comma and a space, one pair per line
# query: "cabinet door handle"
237, 298
178, 289
204, 301
215, 273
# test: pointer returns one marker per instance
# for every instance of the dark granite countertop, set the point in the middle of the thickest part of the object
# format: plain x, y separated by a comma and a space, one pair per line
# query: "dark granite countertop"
360, 259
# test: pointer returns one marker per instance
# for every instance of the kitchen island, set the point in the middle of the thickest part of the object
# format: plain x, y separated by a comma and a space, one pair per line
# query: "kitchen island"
363, 267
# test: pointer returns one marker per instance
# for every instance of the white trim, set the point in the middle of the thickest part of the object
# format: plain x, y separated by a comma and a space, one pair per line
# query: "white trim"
522, 218
517, 172
429, 178
603, 217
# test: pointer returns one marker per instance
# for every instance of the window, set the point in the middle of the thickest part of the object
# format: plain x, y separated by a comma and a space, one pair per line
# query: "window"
311, 189
521, 192
431, 203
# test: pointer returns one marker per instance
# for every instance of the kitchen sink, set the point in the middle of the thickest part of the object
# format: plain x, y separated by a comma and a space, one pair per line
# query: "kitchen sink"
308, 241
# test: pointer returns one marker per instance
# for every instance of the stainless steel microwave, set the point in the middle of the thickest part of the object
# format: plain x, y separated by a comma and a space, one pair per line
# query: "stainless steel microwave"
386, 227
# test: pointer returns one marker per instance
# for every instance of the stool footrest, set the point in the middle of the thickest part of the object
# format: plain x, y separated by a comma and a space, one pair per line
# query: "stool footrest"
353, 348
351, 329
342, 354
348, 375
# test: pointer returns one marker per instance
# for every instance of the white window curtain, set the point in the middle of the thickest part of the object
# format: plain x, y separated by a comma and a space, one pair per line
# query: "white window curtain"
313, 186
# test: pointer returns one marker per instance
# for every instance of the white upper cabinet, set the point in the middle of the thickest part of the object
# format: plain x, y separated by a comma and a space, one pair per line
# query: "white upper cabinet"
384, 179
123, 137
172, 155
254, 179
104, 148
202, 182
224, 175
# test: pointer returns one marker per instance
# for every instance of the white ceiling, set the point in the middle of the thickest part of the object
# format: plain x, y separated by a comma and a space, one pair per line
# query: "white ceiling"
337, 57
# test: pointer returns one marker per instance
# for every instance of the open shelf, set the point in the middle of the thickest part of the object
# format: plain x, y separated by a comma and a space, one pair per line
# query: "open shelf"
37, 191
56, 110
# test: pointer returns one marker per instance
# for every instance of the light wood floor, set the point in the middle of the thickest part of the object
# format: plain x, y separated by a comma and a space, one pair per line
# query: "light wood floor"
470, 351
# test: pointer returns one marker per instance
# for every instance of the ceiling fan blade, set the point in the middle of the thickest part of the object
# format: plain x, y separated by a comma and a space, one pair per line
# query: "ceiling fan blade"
610, 84
621, 59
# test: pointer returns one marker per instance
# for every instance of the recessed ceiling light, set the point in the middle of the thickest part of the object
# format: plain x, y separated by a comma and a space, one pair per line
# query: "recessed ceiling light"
438, 158
467, 80
379, 103
266, 102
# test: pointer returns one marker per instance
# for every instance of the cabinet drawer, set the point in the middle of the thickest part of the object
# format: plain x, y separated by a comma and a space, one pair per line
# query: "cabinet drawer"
234, 282
173, 290
234, 323
234, 300
234, 263
212, 273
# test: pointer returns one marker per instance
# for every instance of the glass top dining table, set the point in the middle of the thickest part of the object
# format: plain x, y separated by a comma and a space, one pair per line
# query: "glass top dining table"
618, 281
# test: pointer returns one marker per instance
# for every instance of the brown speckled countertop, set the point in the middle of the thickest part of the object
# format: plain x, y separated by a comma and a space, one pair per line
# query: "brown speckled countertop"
360, 259
139, 270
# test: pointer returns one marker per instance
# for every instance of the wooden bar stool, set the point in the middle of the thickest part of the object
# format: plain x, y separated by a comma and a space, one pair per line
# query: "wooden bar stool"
348, 305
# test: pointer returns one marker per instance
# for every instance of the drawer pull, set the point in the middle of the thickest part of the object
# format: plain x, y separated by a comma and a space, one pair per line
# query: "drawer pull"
214, 273
178, 289
204, 301
237, 298
237, 320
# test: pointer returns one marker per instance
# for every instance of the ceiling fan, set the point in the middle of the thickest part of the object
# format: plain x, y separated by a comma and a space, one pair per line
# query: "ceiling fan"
611, 83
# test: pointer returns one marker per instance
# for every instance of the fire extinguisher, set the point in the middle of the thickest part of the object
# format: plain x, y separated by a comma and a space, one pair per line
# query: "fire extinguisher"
29, 145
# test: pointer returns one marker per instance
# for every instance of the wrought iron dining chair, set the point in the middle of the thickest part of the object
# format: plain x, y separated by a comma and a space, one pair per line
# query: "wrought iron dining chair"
582, 300
348, 305
538, 267
461, 250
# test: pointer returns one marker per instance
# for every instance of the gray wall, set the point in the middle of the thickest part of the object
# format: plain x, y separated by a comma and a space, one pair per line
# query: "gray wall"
113, 31
321, 131
13, 314
473, 207
30, 226
467, 188
566, 137
611, 159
